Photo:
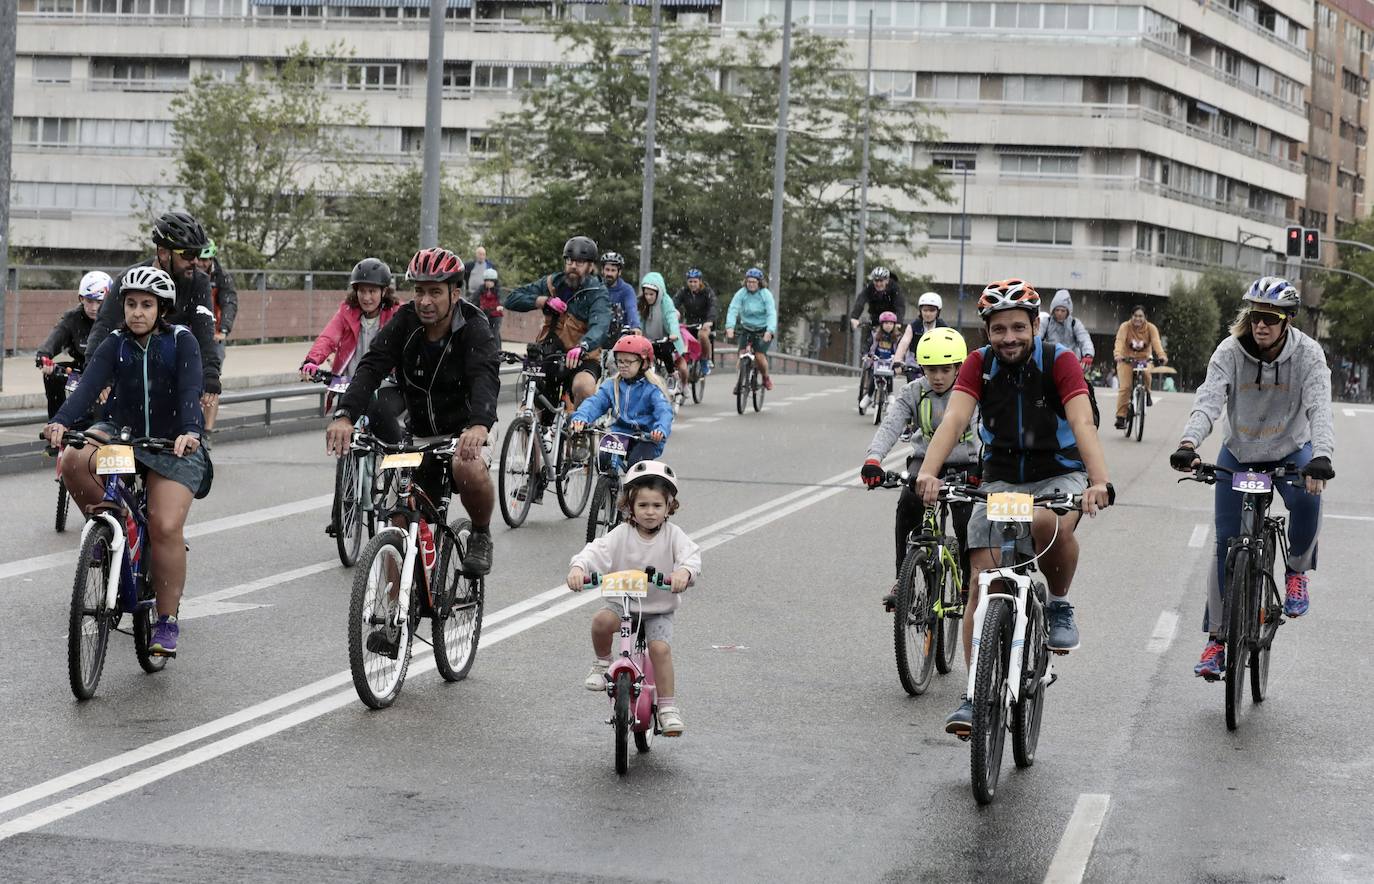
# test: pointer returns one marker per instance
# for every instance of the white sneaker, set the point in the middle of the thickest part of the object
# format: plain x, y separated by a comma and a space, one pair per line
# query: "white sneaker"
670, 722
596, 679
867, 402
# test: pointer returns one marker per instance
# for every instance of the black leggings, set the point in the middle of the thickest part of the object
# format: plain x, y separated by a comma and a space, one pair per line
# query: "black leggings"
910, 512
55, 389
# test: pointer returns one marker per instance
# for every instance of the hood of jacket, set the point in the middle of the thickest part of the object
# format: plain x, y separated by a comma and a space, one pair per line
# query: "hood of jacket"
654, 278
1062, 298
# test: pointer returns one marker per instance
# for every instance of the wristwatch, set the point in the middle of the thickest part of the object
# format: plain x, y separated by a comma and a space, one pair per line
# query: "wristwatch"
343, 413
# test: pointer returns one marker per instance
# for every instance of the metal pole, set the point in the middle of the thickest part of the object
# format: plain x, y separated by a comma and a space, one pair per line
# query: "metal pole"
963, 238
646, 208
863, 172
780, 159
434, 121
9, 21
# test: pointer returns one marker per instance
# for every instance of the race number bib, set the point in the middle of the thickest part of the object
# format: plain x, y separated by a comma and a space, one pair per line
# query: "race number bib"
614, 443
114, 460
631, 583
403, 460
1010, 506
1251, 483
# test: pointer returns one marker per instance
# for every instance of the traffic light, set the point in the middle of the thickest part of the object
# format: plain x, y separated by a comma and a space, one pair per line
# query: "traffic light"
1295, 242
1311, 244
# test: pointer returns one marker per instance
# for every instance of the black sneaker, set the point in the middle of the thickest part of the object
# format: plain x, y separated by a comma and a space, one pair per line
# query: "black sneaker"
477, 561
1149, 400
960, 721
1121, 423
890, 600
379, 643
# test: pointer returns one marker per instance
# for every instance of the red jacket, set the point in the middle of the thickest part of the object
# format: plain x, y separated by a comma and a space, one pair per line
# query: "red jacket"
340, 336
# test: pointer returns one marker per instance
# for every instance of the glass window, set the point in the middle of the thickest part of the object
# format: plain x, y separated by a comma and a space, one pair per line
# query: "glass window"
904, 14
932, 15
980, 15
1005, 15
1104, 18
1028, 15
52, 69
956, 15
1055, 16
1077, 17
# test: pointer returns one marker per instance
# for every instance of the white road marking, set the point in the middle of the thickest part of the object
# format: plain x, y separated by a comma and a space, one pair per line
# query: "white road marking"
1348, 412
783, 404
1163, 636
1070, 861
704, 420
837, 389
215, 602
1200, 532
723, 414
211, 609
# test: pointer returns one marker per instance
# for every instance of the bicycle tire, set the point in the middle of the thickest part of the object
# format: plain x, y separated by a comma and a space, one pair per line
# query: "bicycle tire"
1236, 605
756, 387
145, 618
1140, 414
88, 623
742, 387
602, 517
456, 626
517, 471
879, 404
1027, 712
912, 640
573, 486
698, 383
63, 501
377, 682
644, 740
1130, 418
948, 627
622, 723
989, 712
1271, 615
347, 510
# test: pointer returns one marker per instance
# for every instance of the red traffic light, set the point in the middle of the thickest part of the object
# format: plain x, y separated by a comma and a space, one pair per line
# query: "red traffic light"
1311, 244
1295, 242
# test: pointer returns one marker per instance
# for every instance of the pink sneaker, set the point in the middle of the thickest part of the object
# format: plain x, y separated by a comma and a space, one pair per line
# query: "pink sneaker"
1295, 602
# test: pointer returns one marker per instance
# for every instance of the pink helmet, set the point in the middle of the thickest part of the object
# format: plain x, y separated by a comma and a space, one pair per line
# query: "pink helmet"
635, 345
887, 316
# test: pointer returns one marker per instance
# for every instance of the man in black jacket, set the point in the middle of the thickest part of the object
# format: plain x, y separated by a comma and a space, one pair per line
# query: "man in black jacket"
224, 300
179, 239
882, 293
696, 307
446, 359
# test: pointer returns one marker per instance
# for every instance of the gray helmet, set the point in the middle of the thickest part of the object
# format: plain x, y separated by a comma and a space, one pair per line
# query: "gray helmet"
580, 248
179, 231
880, 273
371, 271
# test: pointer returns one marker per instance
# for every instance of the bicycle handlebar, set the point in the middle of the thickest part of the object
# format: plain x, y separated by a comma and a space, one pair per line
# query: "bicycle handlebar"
657, 579
442, 447
957, 492
1206, 473
78, 439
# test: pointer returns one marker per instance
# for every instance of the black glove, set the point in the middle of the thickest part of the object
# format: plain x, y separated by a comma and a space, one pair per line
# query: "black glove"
1319, 468
872, 473
1182, 459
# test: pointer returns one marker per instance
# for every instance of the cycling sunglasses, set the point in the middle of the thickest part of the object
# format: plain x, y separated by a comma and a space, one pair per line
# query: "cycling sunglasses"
1266, 318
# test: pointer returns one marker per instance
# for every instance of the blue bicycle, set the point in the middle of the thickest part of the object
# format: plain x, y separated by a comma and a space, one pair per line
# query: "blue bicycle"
102, 593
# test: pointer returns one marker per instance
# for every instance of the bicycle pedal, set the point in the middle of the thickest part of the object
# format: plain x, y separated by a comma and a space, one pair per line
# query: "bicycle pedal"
170, 655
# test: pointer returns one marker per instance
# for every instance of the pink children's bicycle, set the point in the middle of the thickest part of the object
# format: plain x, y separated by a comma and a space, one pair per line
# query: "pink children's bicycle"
630, 677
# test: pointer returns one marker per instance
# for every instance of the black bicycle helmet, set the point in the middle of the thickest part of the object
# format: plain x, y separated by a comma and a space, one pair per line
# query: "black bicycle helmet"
613, 258
371, 271
179, 231
580, 248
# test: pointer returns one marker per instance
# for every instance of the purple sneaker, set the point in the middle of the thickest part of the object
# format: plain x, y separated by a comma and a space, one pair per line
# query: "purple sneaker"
164, 643
1213, 662
1295, 600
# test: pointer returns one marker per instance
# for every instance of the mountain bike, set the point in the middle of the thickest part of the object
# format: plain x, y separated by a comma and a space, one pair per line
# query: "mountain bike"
538, 451
882, 388
73, 378
930, 600
355, 482
630, 677
750, 384
611, 453
114, 567
1011, 655
406, 573
1140, 398
1252, 603
696, 370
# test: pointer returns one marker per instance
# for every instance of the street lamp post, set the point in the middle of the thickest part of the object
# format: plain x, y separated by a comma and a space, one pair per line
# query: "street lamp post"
434, 122
646, 210
963, 238
780, 158
863, 182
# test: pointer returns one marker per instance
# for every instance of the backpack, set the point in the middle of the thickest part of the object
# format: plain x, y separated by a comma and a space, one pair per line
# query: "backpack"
1052, 392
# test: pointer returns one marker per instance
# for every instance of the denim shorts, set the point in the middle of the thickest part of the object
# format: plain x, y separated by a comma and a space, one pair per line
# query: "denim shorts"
982, 534
193, 470
656, 628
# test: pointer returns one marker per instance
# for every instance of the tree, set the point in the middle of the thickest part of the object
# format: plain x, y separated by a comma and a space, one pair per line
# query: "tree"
1346, 300
253, 157
1188, 319
1225, 288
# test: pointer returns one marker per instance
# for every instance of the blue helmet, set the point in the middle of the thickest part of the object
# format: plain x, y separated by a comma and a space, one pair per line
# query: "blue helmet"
694, 273
754, 273
1275, 292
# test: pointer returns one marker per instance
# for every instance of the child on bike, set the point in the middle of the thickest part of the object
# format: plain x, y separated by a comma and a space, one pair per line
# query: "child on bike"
922, 403
69, 336
645, 539
882, 344
635, 398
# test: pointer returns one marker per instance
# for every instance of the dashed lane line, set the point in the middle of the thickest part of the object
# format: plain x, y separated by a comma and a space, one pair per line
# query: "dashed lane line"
1070, 861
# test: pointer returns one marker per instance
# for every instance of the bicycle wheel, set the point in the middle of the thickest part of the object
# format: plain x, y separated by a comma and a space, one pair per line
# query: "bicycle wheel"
1139, 413
1238, 607
879, 403
574, 483
698, 383
756, 387
622, 723
947, 625
644, 740
348, 509
378, 650
602, 517
1271, 615
912, 638
1027, 712
456, 626
517, 474
742, 385
60, 522
989, 709
145, 618
88, 628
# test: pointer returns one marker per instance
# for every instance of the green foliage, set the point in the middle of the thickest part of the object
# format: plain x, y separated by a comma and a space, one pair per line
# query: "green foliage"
1189, 318
1225, 288
1346, 300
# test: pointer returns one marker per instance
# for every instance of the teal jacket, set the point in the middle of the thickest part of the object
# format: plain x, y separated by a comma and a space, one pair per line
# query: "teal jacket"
589, 306
754, 310
666, 308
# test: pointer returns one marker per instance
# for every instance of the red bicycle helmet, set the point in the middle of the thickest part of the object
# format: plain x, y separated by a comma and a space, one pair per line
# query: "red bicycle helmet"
1009, 294
434, 265
635, 345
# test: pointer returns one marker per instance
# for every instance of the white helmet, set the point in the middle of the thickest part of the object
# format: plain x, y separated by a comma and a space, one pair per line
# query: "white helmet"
153, 280
648, 470
1274, 292
930, 299
95, 285
490, 273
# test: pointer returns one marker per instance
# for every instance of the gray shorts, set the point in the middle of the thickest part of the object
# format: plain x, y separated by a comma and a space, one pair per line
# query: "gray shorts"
657, 627
982, 534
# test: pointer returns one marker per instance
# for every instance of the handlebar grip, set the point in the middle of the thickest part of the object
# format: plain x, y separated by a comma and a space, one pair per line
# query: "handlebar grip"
1111, 494
592, 579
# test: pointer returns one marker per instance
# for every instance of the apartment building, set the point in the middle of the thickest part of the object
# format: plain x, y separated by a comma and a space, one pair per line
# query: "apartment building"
1104, 148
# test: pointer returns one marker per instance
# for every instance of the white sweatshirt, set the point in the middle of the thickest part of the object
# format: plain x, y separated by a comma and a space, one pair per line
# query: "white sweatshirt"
623, 549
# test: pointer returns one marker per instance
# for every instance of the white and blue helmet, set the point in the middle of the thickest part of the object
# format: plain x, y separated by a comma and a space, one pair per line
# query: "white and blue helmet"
1274, 292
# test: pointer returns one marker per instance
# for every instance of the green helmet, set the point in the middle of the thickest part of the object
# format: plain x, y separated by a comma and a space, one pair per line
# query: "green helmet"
210, 251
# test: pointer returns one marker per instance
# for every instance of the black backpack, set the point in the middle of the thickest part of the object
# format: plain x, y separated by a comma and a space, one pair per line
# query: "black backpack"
1052, 392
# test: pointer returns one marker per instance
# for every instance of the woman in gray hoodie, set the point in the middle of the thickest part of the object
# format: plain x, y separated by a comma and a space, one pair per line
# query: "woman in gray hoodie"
1273, 382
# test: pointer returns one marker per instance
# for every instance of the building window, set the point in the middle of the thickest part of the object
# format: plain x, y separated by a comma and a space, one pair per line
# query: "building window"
368, 77
52, 69
525, 75
140, 74
896, 85
948, 227
954, 162
1043, 90
947, 87
1038, 231
1039, 164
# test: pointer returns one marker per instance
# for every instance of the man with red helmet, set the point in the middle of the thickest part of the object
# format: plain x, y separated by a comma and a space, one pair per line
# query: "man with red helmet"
1038, 438
445, 357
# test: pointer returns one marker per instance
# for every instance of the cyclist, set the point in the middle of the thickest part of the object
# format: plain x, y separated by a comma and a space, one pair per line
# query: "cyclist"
225, 300
577, 314
646, 538
445, 356
69, 336
928, 308
1136, 340
1038, 438
658, 317
882, 345
179, 239
697, 303
349, 335
635, 398
155, 370
924, 403
624, 311
1064, 329
489, 302
1274, 385
882, 293
754, 309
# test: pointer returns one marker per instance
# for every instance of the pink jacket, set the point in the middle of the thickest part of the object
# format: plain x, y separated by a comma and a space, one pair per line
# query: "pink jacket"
340, 336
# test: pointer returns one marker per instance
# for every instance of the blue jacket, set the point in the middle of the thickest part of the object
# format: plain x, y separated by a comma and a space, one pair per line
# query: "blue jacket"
587, 320
638, 407
156, 388
755, 310
622, 295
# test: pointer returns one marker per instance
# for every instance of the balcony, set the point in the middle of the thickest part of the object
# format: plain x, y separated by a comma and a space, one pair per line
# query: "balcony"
1299, 51
1173, 52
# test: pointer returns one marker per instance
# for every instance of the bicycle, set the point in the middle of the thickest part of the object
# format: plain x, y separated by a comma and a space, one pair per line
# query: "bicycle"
883, 374
404, 576
355, 482
73, 378
1140, 398
930, 594
696, 370
1011, 667
1252, 604
102, 594
612, 451
630, 677
525, 463
749, 385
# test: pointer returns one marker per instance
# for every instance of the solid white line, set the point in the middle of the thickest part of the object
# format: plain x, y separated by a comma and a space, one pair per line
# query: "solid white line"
780, 404
704, 420
1348, 412
1200, 532
1163, 636
1075, 848
724, 414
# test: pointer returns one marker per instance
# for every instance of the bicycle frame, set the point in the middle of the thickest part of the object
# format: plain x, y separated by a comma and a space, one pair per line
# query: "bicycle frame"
414, 505
1022, 584
633, 655
121, 589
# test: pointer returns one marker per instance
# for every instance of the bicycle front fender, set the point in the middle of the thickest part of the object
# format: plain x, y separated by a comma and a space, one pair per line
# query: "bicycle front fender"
116, 553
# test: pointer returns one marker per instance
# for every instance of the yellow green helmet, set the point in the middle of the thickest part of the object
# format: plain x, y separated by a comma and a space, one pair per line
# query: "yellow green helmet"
941, 346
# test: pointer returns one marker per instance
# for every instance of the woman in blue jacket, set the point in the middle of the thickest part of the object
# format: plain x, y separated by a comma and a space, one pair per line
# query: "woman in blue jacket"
757, 314
155, 371
635, 399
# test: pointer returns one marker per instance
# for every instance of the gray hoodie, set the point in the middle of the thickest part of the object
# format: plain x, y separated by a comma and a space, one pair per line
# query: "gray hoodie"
905, 408
1274, 408
1070, 334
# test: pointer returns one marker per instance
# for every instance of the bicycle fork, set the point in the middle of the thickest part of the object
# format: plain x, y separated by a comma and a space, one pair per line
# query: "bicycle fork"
1020, 626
